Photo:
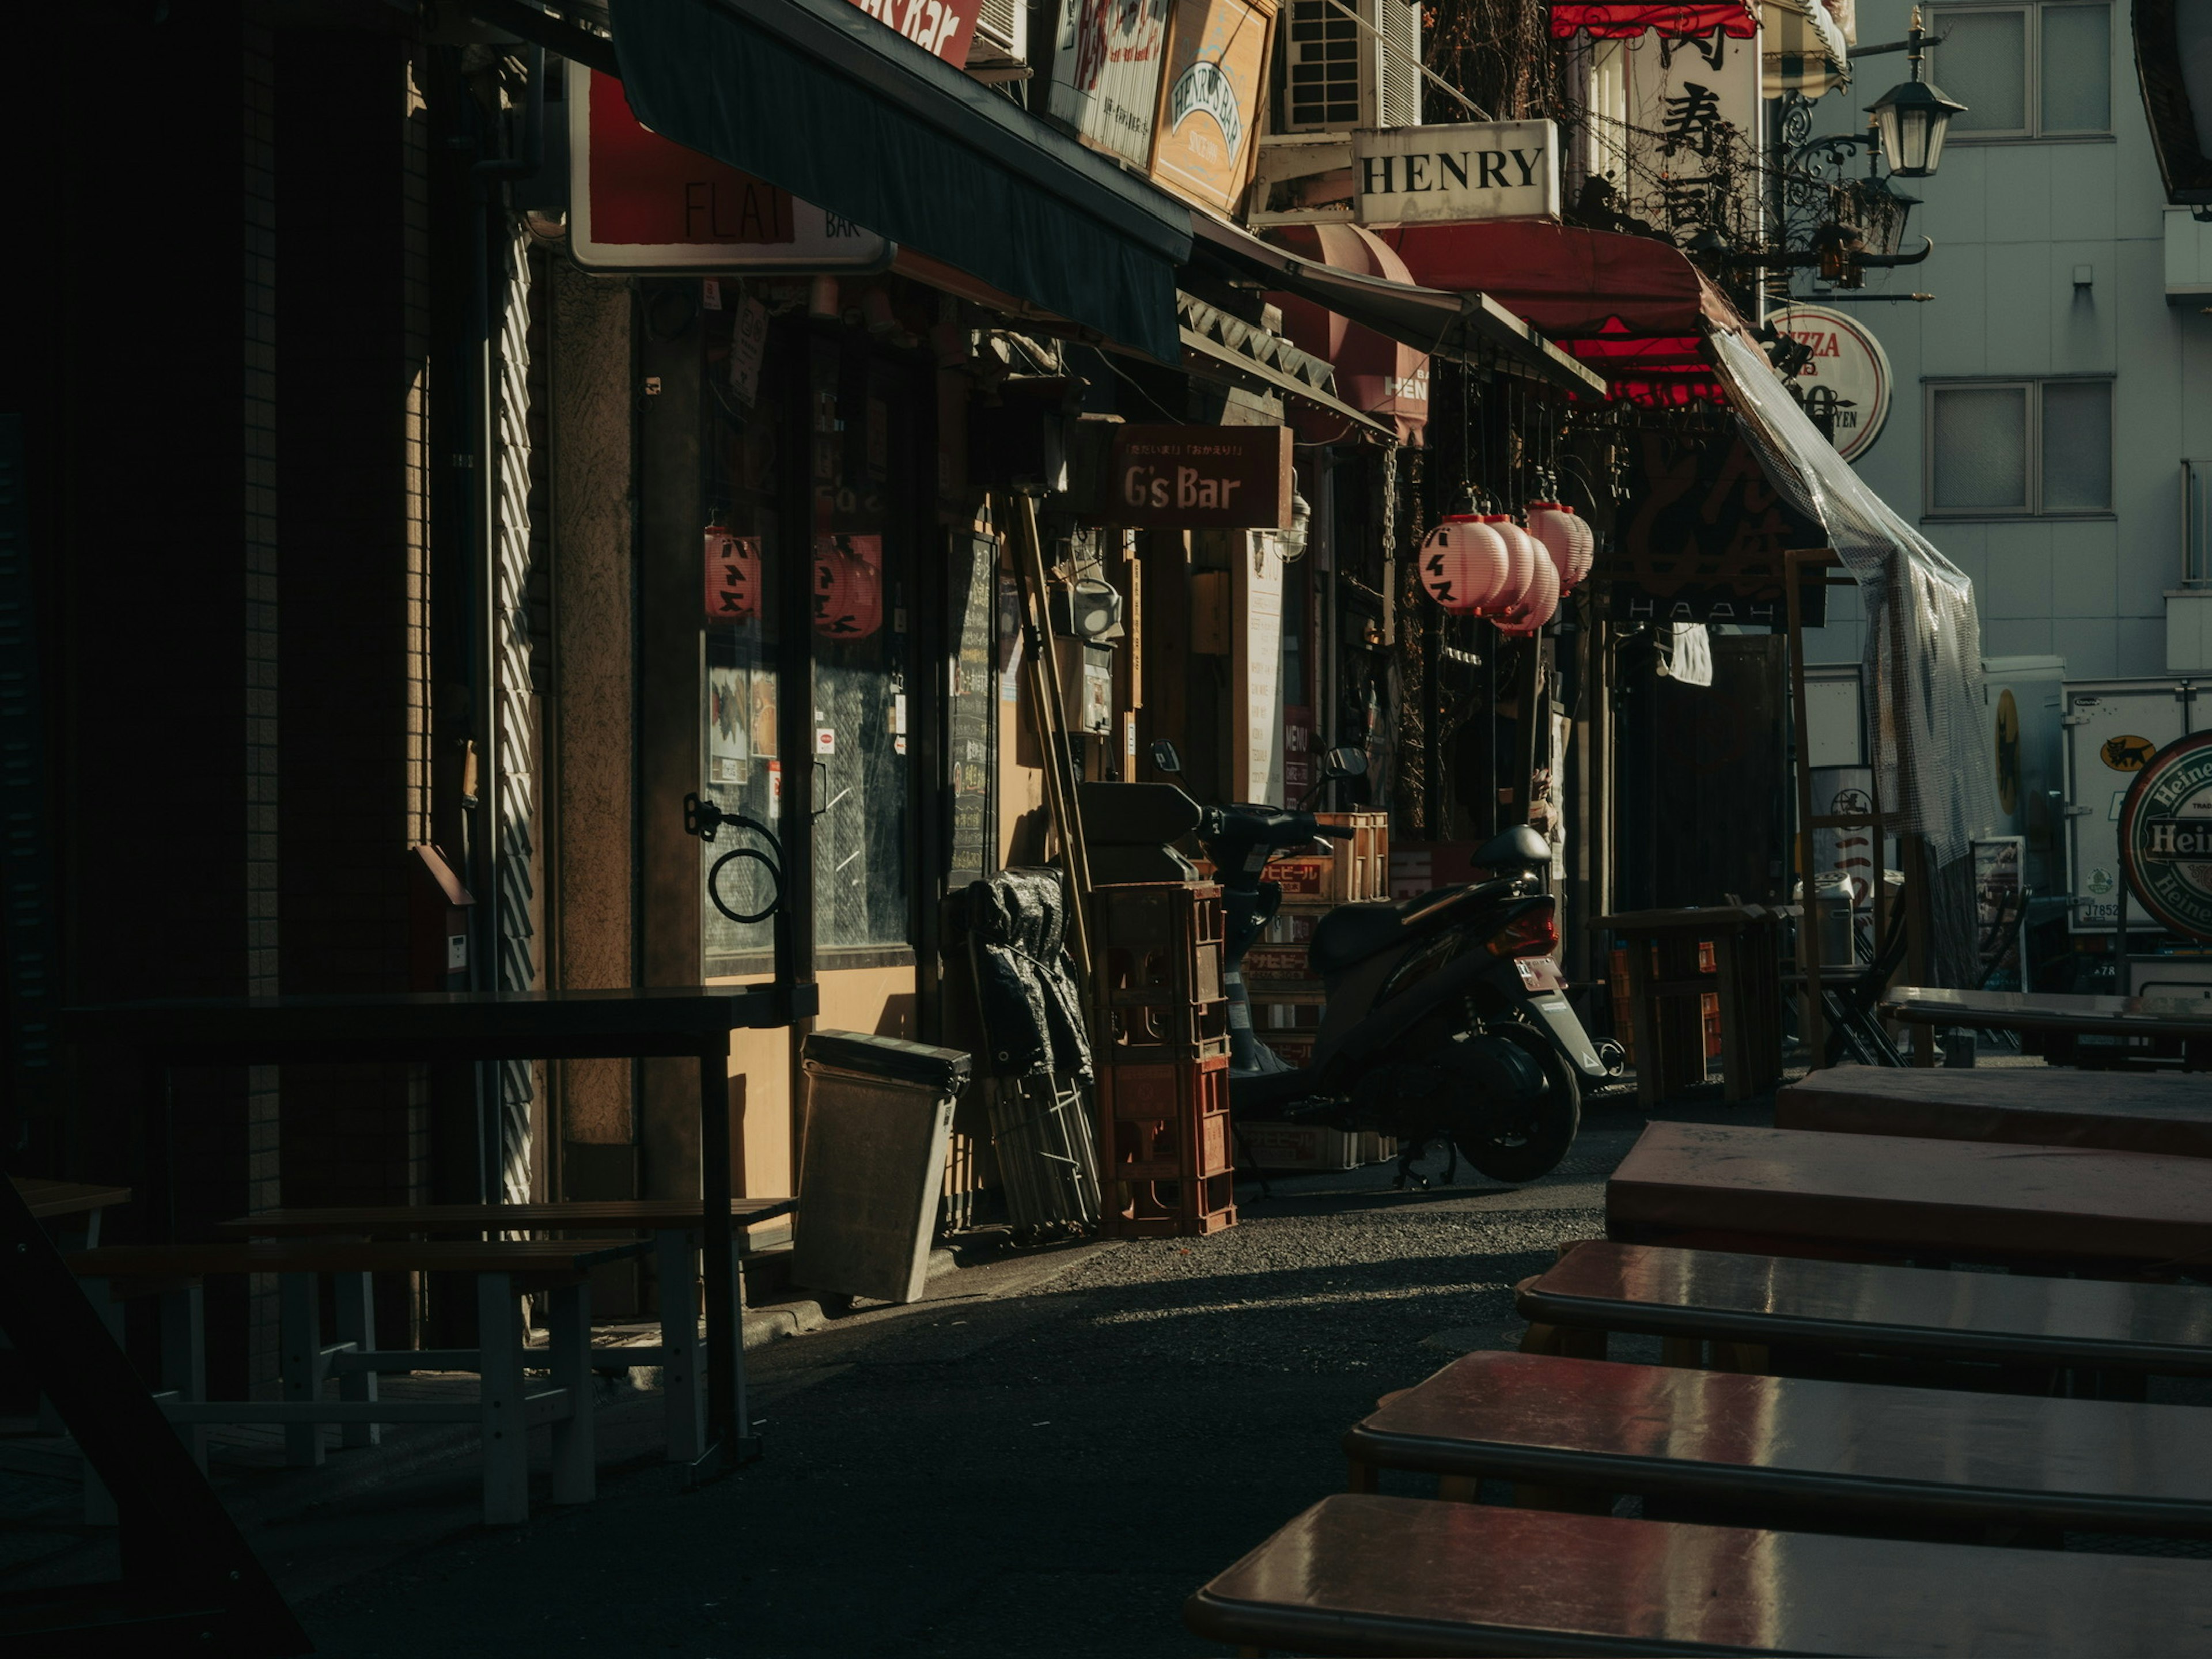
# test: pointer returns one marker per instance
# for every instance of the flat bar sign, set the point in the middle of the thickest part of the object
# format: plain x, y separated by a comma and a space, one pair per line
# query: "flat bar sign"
943, 26
1454, 173
638, 202
1201, 477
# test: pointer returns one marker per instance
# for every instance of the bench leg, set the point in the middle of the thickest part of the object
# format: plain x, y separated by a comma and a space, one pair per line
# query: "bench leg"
183, 1360
574, 1458
1363, 1478
1572, 1341
1688, 1352
682, 1375
356, 1311
299, 1332
1458, 1488
506, 1440
100, 1503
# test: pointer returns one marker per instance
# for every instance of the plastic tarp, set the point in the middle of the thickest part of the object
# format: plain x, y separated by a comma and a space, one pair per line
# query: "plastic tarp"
817, 97
1923, 645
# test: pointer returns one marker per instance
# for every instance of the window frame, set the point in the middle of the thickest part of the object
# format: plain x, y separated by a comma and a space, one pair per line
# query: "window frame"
2032, 90
2033, 385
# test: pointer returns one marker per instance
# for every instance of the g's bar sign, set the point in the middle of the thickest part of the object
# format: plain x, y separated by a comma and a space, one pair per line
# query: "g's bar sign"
1200, 478
1452, 173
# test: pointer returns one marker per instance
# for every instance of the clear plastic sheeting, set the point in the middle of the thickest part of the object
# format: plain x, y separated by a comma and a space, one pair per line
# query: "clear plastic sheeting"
1923, 645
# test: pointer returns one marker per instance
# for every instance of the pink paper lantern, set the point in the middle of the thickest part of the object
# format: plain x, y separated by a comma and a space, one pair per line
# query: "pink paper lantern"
1537, 606
1465, 565
1568, 541
1524, 556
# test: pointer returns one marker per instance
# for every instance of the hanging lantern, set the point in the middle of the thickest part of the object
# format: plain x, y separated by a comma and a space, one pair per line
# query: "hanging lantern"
1465, 565
1524, 554
848, 587
1569, 540
733, 576
1537, 606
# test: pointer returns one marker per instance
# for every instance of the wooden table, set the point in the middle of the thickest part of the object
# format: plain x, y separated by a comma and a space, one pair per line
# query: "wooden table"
673, 1223
2187, 1018
1665, 988
1695, 1296
690, 1022
2168, 1112
1357, 1574
1793, 1191
50, 1199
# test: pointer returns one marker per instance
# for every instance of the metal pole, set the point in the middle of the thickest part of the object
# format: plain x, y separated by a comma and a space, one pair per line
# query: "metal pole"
1809, 913
1046, 710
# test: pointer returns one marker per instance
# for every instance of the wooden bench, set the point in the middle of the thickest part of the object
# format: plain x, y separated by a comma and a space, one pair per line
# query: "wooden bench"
1373, 1575
1797, 1192
2168, 1112
673, 1223
1691, 1298
506, 1408
1894, 1456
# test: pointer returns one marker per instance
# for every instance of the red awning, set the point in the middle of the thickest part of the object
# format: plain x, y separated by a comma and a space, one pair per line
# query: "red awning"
1627, 22
1662, 370
1564, 281
1374, 373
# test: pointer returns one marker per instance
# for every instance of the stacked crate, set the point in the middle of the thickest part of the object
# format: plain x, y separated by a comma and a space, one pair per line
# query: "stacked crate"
1161, 1051
1285, 992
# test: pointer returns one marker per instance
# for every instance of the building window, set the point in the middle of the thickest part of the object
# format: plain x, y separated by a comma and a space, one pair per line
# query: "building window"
2020, 448
2034, 71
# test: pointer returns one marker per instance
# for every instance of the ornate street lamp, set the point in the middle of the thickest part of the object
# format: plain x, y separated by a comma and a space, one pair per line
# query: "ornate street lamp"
1913, 118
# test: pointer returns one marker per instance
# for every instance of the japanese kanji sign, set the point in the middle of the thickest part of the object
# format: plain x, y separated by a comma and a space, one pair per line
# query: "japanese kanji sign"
1703, 537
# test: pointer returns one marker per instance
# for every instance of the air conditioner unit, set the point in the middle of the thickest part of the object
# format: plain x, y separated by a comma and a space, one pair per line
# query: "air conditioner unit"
1340, 73
1002, 35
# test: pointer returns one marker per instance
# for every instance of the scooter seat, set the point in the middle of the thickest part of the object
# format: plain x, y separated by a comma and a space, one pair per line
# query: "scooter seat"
1352, 932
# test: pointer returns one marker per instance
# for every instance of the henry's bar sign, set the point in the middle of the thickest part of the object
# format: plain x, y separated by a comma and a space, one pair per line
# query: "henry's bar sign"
1201, 477
1449, 174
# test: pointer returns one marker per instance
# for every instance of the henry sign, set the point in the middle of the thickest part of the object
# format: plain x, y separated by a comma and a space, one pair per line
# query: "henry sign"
1201, 477
1450, 174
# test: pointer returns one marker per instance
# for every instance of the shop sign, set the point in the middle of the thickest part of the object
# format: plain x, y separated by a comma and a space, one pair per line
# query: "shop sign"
638, 202
1454, 173
1200, 478
1209, 112
943, 27
1845, 385
1703, 538
1106, 75
2165, 835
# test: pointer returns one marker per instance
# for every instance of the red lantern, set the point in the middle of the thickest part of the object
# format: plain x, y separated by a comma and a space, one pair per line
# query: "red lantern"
733, 575
848, 587
1569, 540
1464, 565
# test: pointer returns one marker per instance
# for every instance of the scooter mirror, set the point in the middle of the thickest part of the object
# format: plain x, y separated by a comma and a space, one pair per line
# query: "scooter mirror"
1164, 758
1346, 762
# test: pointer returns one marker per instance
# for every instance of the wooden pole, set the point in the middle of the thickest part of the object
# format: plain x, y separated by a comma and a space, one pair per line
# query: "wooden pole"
1048, 711
1809, 915
1912, 850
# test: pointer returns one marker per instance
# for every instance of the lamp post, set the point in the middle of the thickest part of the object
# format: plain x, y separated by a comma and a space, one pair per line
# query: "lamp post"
1913, 117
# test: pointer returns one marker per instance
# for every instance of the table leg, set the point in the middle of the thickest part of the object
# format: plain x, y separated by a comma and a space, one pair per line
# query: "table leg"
1644, 1020
575, 1462
100, 1503
300, 1333
683, 1399
506, 1435
729, 1439
1736, 1082
356, 1312
184, 1359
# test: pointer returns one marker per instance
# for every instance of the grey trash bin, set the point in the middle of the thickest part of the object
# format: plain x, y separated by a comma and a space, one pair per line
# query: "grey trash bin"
878, 1120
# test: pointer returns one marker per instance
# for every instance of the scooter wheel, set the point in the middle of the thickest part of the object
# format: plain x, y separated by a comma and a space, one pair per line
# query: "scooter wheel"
1514, 1141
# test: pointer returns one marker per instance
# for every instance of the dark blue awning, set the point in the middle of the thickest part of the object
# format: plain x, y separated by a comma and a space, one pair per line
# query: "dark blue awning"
840, 110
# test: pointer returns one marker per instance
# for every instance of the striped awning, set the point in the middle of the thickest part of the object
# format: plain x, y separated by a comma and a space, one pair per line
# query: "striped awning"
1629, 20
1802, 48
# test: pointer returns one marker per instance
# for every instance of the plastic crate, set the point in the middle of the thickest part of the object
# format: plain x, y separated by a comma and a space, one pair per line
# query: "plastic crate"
1157, 991
1362, 839
1167, 1158
1277, 1147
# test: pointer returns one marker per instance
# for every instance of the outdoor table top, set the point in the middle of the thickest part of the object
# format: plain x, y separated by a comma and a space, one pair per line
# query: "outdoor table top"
1929, 1454
52, 1198
643, 1214
637, 1022
1363, 1574
534, 1257
2023, 1011
2044, 1106
1899, 1195
1722, 917
1652, 1290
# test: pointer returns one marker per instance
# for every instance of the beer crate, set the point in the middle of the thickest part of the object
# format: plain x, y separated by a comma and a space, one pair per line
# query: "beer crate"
1157, 990
1166, 1163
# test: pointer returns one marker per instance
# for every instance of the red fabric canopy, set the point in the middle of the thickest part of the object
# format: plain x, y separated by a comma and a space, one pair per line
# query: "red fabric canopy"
1374, 373
1627, 22
1651, 369
1567, 281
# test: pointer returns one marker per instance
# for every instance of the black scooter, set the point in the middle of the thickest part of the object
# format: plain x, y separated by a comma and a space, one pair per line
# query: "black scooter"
1446, 1014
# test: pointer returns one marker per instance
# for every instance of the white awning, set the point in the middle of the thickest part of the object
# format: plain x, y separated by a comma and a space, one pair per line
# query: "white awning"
1802, 49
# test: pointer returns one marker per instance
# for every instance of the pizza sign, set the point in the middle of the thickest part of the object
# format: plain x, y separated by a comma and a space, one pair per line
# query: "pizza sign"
2165, 835
1844, 380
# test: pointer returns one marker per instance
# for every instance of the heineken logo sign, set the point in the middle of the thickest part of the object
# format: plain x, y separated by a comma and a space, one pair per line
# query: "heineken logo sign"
2165, 835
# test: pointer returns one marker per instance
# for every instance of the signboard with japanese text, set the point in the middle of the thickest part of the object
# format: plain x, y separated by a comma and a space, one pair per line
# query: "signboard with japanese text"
1211, 96
1703, 537
1845, 385
1200, 478
1695, 131
1106, 74
638, 202
943, 27
1452, 173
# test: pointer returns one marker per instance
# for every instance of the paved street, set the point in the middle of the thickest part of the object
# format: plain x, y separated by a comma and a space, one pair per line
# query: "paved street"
1045, 1460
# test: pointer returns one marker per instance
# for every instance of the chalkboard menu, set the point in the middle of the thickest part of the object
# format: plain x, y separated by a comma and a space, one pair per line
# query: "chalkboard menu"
971, 706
